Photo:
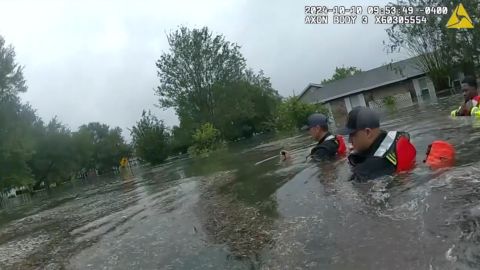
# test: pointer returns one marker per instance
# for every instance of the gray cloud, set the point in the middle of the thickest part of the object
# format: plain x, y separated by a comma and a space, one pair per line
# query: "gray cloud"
95, 60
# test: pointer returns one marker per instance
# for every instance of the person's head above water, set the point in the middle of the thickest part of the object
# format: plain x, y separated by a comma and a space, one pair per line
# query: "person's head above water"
363, 128
317, 125
469, 87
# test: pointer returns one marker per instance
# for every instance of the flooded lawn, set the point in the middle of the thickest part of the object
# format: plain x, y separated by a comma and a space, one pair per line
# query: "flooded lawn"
225, 212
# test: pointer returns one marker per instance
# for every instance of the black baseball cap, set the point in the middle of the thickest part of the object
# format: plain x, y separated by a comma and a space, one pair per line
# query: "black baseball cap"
360, 118
316, 119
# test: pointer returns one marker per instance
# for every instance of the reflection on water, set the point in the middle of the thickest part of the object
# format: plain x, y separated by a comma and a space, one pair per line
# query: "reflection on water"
230, 211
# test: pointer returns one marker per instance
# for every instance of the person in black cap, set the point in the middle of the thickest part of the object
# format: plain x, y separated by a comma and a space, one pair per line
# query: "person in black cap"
376, 152
328, 145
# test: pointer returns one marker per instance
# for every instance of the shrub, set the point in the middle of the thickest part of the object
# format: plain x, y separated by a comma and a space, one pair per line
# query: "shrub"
292, 113
205, 139
389, 102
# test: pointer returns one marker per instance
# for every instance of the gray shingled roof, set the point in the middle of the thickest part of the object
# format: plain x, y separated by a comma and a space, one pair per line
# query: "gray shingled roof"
367, 80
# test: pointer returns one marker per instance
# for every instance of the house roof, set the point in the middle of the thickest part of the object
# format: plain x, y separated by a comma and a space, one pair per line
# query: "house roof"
367, 80
310, 85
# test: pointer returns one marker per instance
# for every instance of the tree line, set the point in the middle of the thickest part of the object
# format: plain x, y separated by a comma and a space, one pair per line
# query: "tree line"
34, 152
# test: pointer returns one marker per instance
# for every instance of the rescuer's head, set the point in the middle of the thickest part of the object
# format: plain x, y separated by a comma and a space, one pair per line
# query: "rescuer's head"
469, 88
317, 125
363, 127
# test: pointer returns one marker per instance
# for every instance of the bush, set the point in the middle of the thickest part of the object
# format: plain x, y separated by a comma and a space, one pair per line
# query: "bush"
292, 113
205, 139
389, 102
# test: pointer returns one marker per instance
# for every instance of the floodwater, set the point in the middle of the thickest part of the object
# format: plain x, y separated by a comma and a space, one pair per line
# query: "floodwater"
225, 212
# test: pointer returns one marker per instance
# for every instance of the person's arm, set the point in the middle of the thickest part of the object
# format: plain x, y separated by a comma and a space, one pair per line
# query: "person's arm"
464, 110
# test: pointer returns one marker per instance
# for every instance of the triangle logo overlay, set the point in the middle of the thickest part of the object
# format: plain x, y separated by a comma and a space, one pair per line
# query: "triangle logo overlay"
460, 19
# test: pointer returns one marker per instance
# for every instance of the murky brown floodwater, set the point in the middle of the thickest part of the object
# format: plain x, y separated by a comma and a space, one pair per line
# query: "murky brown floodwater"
225, 212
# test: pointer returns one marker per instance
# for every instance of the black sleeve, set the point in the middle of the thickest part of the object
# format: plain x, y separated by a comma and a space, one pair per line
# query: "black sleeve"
372, 168
326, 150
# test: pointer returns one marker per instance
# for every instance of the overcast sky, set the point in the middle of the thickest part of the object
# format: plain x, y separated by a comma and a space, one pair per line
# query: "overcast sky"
91, 61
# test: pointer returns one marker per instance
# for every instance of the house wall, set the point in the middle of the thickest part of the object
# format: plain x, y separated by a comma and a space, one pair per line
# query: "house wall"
339, 112
424, 90
389, 90
354, 101
403, 94
310, 95
330, 118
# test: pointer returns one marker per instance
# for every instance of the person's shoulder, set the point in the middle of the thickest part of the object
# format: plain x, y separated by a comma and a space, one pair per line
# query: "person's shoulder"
330, 145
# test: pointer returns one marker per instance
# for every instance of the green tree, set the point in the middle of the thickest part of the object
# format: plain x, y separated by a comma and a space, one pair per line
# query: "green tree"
84, 149
246, 107
107, 143
54, 160
441, 51
292, 113
265, 101
204, 78
11, 73
151, 139
197, 60
18, 127
111, 149
18, 123
342, 73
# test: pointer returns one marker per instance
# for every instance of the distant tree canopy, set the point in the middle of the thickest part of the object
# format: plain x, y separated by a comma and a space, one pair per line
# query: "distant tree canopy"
342, 73
105, 146
32, 152
205, 79
441, 51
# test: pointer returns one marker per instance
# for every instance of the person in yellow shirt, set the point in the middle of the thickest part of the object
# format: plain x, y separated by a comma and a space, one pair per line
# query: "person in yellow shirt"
123, 162
472, 100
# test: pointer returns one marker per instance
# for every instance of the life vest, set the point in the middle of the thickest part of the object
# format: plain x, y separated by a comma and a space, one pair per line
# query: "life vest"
474, 111
342, 147
398, 150
440, 154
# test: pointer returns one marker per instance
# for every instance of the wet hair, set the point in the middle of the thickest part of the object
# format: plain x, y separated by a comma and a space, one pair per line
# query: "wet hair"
470, 80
